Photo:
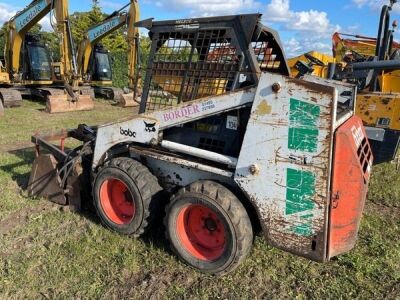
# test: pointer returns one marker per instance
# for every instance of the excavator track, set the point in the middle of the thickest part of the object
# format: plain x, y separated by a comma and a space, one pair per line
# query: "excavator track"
109, 93
117, 92
10, 97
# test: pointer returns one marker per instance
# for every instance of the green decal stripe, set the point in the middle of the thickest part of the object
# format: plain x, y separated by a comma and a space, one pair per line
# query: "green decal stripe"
300, 192
303, 139
303, 130
303, 229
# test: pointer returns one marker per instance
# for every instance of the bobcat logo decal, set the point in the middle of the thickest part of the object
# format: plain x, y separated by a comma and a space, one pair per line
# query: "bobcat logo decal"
150, 127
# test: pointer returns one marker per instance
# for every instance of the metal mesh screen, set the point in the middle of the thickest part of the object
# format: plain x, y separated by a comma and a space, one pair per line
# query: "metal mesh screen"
197, 58
188, 66
364, 153
264, 51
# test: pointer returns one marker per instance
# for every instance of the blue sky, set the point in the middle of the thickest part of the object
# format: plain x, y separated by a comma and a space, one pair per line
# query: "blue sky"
303, 25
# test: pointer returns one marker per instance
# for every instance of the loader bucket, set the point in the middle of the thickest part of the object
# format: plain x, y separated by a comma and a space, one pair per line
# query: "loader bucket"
128, 100
45, 181
61, 103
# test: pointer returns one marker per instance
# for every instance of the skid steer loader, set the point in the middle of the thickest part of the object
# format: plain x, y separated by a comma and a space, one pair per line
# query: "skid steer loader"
232, 139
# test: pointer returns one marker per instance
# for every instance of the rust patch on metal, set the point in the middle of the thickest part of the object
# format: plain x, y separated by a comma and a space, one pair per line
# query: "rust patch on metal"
263, 108
312, 87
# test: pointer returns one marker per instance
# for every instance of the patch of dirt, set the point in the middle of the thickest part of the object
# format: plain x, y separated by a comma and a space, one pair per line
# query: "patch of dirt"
382, 209
150, 285
22, 217
50, 235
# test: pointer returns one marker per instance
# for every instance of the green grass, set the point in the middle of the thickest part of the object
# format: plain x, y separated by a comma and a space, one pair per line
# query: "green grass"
18, 124
49, 252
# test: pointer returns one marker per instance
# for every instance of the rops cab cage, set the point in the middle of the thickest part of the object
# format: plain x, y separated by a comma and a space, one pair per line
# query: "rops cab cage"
195, 58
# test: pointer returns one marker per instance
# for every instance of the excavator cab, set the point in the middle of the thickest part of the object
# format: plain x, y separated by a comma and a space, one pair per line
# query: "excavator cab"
99, 73
100, 65
36, 60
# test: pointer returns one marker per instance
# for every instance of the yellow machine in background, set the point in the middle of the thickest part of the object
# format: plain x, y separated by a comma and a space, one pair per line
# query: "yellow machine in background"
313, 62
94, 63
29, 64
373, 64
356, 44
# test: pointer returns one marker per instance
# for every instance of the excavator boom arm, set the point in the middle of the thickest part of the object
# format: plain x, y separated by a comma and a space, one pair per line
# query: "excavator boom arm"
133, 43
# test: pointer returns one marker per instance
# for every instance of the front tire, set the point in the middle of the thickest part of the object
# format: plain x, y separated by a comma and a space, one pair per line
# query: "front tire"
208, 227
124, 193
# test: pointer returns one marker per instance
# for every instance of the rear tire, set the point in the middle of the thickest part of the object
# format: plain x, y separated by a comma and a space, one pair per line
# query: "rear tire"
208, 227
124, 194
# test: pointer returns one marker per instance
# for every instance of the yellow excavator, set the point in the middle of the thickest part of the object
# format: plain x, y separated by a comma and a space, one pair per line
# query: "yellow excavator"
28, 67
94, 63
373, 64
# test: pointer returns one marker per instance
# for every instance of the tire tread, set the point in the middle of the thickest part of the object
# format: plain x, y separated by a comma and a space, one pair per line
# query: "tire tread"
232, 206
146, 183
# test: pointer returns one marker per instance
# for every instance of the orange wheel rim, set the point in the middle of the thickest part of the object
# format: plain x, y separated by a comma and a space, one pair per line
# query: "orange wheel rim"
117, 201
201, 232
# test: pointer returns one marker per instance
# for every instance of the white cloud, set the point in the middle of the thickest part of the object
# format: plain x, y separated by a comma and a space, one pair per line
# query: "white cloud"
361, 3
210, 7
45, 23
298, 46
6, 12
278, 11
309, 29
375, 4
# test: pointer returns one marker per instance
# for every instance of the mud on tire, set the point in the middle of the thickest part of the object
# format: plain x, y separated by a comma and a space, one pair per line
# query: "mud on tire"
124, 196
208, 227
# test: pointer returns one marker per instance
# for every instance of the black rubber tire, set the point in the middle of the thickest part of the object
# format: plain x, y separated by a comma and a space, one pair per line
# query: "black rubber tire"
228, 208
142, 185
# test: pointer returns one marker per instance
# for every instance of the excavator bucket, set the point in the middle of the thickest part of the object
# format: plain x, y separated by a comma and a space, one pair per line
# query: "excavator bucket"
45, 181
128, 100
61, 103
